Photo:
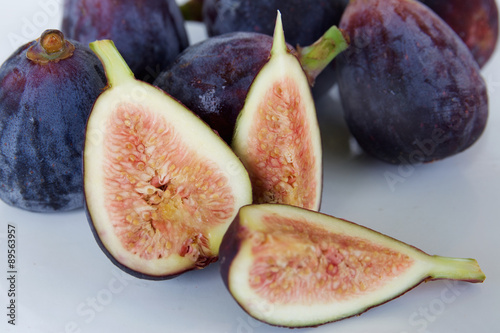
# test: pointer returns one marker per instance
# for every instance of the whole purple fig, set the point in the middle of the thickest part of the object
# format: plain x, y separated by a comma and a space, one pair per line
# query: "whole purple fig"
149, 34
47, 89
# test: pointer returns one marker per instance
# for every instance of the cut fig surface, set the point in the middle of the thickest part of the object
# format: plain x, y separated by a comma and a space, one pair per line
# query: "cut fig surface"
161, 187
277, 135
293, 267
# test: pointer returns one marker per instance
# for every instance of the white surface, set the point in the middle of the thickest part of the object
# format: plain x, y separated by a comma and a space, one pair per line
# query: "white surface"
451, 208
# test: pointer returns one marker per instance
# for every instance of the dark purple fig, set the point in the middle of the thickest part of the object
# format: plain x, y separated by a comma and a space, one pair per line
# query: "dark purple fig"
149, 33
293, 267
277, 134
476, 22
161, 188
303, 21
212, 77
47, 89
410, 88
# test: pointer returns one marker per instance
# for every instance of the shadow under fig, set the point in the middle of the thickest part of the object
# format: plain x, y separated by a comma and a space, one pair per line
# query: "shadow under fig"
337, 141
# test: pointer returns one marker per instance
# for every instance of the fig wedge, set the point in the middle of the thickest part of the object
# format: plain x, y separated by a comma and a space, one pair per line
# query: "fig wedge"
161, 187
277, 135
292, 267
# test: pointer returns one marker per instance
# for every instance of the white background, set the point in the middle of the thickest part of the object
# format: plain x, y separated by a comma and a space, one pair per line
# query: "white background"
451, 208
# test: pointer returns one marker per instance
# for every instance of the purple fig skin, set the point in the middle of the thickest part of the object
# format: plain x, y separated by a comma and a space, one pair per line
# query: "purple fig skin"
149, 33
229, 248
411, 90
43, 114
212, 77
476, 22
304, 21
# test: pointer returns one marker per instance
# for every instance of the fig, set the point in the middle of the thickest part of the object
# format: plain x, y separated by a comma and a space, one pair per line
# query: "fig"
161, 188
277, 134
47, 89
292, 267
149, 34
476, 22
212, 77
411, 90
304, 21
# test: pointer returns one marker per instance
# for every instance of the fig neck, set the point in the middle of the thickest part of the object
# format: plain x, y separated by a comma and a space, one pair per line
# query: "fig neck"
116, 68
316, 57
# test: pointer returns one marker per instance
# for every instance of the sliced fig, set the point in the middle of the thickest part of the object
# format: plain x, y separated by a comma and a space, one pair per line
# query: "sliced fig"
161, 187
277, 135
293, 267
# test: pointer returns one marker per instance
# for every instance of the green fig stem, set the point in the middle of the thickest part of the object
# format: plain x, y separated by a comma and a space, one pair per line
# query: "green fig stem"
116, 68
314, 58
50, 47
192, 10
456, 269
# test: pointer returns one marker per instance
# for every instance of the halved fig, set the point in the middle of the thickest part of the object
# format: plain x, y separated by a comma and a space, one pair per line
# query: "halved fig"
161, 187
277, 135
293, 267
